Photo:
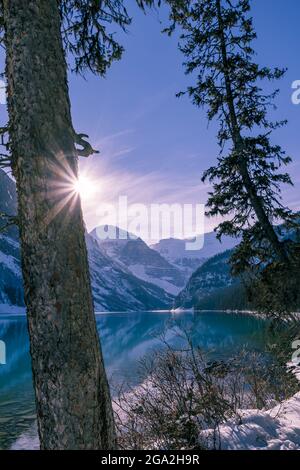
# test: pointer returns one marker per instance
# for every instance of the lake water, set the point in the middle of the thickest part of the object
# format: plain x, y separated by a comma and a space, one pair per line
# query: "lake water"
126, 338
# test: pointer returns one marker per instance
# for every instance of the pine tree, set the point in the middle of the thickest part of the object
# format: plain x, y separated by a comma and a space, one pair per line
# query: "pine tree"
216, 41
72, 395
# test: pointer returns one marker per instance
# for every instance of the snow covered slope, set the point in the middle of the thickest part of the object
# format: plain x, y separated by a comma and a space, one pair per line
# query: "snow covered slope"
274, 429
116, 289
212, 276
211, 286
8, 202
174, 250
11, 286
114, 286
143, 262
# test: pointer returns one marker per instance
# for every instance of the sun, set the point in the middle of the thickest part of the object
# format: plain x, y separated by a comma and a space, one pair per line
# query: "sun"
85, 187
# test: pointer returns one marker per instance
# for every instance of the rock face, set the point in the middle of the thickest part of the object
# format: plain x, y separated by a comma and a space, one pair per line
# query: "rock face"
11, 286
211, 277
143, 262
116, 289
211, 286
8, 202
114, 286
174, 250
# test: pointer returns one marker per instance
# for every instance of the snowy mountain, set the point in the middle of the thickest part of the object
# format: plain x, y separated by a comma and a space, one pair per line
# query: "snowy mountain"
135, 255
213, 276
11, 287
8, 202
174, 250
116, 289
211, 286
114, 286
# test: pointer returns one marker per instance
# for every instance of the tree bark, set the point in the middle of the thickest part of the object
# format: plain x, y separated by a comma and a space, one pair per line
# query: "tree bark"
238, 143
72, 395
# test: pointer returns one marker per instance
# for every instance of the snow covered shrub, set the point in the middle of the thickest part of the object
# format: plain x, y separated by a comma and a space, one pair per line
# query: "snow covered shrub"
176, 400
182, 395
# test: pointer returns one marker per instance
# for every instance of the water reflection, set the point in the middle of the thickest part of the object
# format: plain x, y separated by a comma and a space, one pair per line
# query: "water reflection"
125, 339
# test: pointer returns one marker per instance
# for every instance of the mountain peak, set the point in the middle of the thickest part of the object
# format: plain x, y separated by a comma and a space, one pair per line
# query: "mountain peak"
104, 233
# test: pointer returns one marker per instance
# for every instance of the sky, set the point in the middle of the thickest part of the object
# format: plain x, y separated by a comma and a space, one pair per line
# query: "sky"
154, 147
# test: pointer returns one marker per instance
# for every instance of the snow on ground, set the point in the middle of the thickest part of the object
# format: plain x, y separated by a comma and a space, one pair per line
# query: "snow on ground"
28, 440
276, 429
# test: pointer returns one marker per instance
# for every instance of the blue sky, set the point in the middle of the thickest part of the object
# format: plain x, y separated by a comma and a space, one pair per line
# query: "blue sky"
154, 146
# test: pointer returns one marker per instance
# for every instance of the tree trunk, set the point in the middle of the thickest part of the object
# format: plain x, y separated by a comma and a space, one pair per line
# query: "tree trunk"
238, 143
72, 395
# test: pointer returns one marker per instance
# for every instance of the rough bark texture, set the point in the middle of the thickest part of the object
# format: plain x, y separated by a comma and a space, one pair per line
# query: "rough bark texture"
72, 394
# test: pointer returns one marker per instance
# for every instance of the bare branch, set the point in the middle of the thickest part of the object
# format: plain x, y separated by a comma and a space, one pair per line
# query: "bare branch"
87, 149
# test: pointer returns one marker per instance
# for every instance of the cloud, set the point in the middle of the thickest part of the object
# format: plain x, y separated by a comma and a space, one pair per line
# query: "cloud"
146, 189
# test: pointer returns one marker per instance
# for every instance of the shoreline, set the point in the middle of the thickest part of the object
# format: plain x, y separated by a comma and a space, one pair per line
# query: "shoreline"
14, 310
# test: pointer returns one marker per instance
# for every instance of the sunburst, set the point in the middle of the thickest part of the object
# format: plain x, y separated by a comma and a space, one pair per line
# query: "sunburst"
66, 187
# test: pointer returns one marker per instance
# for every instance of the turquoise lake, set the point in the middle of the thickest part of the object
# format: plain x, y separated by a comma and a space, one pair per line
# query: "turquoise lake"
125, 338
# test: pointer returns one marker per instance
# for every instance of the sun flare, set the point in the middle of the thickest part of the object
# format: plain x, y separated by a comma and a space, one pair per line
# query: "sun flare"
85, 187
